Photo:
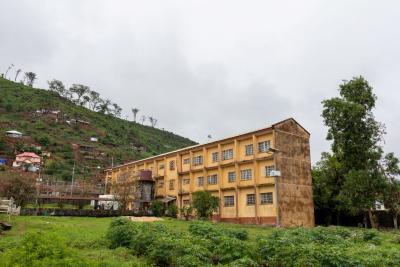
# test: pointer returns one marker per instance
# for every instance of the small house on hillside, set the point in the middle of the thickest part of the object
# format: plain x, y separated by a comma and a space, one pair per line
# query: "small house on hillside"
28, 161
14, 134
93, 139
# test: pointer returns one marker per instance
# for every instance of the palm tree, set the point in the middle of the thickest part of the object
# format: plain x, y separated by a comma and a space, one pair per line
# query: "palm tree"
135, 112
16, 74
8, 69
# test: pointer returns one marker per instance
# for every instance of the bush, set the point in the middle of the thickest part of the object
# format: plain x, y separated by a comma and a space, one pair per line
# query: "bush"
120, 233
39, 249
172, 211
157, 208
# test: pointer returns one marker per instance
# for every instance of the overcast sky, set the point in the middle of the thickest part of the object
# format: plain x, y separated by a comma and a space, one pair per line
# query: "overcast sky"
213, 67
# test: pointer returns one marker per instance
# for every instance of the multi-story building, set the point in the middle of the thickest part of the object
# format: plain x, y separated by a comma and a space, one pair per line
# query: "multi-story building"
260, 177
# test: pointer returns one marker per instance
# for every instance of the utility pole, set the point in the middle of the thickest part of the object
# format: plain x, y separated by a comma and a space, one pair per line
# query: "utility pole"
73, 174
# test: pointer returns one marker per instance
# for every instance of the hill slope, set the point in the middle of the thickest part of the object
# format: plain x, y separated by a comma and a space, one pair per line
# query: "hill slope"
66, 135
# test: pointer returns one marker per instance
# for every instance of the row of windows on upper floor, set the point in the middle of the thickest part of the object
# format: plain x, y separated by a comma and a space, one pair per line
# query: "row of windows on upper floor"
227, 154
229, 201
245, 175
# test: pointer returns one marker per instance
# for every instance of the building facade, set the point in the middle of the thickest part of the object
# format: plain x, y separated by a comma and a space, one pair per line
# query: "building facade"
260, 177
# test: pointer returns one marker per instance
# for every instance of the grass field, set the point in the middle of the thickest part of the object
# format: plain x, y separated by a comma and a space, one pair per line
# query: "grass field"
85, 237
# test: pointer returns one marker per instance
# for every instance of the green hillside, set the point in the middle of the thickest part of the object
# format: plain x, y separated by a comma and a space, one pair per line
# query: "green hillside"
68, 140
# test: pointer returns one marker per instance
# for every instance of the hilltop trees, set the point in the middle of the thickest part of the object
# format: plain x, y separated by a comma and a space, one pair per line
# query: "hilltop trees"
57, 86
30, 78
135, 112
80, 90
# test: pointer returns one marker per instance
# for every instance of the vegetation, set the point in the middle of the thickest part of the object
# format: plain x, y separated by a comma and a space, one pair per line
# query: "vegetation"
119, 140
205, 204
20, 187
352, 177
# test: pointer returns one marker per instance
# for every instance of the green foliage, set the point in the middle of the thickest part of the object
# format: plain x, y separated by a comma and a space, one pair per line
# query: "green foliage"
157, 207
116, 135
186, 212
120, 233
207, 230
350, 178
205, 204
172, 211
39, 249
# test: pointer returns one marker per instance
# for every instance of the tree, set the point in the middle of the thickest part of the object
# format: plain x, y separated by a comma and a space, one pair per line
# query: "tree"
327, 182
57, 86
205, 204
79, 90
186, 212
17, 74
125, 190
21, 188
104, 106
153, 121
391, 196
8, 69
143, 119
135, 112
356, 137
157, 208
117, 110
30, 78
95, 100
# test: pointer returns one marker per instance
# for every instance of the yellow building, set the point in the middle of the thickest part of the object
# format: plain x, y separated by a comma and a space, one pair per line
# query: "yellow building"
260, 177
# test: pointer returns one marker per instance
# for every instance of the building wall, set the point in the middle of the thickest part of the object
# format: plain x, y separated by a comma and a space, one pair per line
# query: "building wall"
292, 193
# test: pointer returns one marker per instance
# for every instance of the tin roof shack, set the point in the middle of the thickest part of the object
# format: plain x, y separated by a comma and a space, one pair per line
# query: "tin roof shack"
28, 161
14, 134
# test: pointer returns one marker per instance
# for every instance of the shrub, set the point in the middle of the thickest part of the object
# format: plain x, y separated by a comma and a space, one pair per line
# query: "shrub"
172, 211
372, 235
229, 249
157, 207
120, 233
39, 249
205, 204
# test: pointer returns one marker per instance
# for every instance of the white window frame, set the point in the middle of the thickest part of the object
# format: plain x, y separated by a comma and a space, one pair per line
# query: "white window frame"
249, 150
246, 174
227, 154
198, 160
229, 201
212, 179
214, 156
268, 170
252, 198
200, 178
264, 146
231, 177
266, 198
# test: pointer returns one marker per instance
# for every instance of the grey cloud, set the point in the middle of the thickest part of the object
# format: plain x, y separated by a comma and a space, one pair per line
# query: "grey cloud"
213, 67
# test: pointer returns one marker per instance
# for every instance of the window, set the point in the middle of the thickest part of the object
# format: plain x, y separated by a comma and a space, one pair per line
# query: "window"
227, 154
214, 156
186, 181
160, 184
186, 161
229, 201
200, 181
266, 198
263, 146
186, 202
212, 179
245, 174
249, 150
198, 160
161, 166
268, 170
251, 199
172, 165
171, 184
231, 177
